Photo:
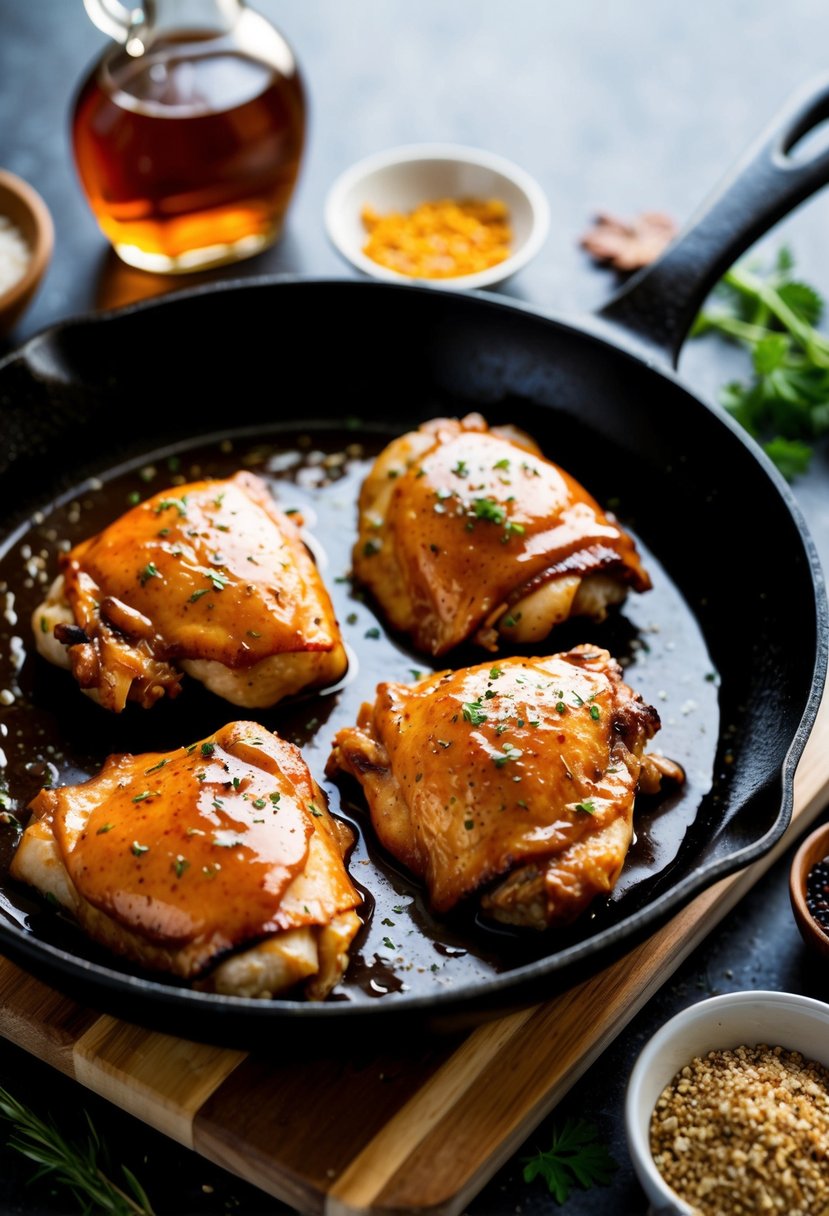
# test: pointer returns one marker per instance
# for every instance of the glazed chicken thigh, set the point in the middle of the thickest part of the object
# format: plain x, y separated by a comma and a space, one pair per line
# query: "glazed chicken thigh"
469, 532
514, 783
218, 862
209, 579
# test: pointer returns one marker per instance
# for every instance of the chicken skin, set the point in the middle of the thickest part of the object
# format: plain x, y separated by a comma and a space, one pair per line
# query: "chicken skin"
512, 783
209, 579
469, 532
218, 862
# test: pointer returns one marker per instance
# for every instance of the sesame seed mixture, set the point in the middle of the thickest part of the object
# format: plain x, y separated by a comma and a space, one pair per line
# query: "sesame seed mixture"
746, 1131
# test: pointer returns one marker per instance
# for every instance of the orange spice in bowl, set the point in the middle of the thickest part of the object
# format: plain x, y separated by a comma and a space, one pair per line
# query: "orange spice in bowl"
440, 239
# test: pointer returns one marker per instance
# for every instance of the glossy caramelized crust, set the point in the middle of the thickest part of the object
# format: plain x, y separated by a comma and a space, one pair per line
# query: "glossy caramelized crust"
515, 780
174, 860
467, 532
209, 578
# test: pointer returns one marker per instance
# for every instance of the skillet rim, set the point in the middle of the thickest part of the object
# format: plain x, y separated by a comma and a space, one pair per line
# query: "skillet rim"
460, 997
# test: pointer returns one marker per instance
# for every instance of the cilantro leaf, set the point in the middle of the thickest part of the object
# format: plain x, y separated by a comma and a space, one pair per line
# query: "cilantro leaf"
785, 406
803, 300
575, 1157
770, 353
790, 455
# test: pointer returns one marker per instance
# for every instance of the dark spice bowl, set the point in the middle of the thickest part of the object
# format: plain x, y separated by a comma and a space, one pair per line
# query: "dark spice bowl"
814, 848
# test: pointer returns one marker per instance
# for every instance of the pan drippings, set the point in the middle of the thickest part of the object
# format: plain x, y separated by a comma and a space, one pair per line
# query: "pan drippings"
50, 734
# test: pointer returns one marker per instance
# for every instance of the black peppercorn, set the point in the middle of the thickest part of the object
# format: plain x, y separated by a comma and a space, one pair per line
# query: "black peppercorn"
817, 893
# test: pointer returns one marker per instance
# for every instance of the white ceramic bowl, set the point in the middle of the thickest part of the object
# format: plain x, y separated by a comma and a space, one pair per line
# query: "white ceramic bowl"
779, 1019
402, 178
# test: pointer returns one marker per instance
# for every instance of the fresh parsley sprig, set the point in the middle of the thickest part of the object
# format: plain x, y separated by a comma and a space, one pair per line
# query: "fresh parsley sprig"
785, 405
575, 1157
76, 1166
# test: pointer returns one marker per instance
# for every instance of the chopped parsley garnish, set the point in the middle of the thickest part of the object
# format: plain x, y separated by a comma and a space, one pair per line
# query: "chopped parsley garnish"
595, 712
489, 509
155, 767
575, 1157
252, 633
145, 794
180, 505
180, 865
207, 749
259, 803
374, 632
588, 806
197, 595
461, 469
495, 672
372, 547
469, 824
473, 713
389, 944
501, 464
138, 849
561, 707
315, 811
149, 571
218, 580
105, 827
510, 753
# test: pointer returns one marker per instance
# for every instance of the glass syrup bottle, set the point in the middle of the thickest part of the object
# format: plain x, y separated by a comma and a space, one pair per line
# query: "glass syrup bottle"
188, 133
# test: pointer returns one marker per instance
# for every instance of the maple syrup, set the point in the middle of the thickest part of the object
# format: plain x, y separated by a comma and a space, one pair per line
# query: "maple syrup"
189, 151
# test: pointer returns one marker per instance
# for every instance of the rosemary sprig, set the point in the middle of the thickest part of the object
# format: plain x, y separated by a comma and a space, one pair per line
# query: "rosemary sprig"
76, 1166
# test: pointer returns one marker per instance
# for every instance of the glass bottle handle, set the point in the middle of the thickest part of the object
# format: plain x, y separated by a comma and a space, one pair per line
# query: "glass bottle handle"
134, 26
127, 25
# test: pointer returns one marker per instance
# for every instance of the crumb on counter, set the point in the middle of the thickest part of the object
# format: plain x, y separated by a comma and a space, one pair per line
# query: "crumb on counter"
746, 1131
441, 239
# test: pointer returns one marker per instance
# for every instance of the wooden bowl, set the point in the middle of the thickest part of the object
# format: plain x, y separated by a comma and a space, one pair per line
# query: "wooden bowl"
813, 849
26, 211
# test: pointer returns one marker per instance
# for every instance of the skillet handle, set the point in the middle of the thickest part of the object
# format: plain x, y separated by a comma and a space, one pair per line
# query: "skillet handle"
659, 303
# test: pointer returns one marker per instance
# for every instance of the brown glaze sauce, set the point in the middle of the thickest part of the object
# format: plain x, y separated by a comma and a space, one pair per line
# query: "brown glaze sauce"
51, 734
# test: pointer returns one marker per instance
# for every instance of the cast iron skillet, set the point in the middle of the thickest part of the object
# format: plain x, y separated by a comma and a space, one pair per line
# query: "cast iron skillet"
602, 399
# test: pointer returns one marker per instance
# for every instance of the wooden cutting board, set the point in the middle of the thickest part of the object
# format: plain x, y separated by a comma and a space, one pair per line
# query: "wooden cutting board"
419, 1132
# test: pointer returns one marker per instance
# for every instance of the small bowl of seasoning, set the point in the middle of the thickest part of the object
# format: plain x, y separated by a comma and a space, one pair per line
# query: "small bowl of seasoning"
439, 214
809, 889
727, 1108
26, 241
